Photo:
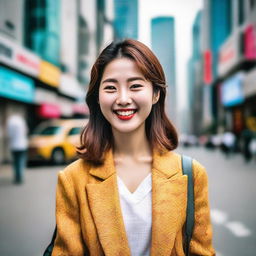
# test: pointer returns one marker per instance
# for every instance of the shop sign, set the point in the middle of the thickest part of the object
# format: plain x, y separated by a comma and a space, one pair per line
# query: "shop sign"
17, 57
232, 91
49, 74
250, 42
250, 83
71, 87
47, 110
16, 86
27, 62
229, 54
207, 57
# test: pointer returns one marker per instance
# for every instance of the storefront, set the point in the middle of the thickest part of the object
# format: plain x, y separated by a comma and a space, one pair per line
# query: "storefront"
249, 91
249, 88
33, 87
232, 99
17, 93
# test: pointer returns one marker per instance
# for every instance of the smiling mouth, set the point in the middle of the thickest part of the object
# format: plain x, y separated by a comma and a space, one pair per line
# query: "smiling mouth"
125, 114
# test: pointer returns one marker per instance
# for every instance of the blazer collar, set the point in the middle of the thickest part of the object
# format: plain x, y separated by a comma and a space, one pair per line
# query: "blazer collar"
165, 163
105, 170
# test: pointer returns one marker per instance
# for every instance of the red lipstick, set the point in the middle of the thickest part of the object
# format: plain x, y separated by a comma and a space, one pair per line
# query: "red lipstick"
125, 117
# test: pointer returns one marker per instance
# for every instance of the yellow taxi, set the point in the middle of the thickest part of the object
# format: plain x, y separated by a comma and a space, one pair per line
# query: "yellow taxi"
55, 140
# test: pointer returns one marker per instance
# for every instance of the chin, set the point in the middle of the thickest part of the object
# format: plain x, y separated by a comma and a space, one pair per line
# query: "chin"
127, 129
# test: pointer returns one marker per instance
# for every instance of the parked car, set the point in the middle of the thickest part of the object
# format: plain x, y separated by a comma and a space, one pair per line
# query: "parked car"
55, 140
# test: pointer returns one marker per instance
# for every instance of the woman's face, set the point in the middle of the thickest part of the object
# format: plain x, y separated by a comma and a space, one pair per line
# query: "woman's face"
125, 96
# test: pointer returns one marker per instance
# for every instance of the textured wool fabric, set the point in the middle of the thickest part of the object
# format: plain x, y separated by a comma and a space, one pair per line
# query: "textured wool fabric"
136, 210
89, 218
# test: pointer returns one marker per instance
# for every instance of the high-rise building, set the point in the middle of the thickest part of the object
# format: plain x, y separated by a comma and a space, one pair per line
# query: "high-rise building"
216, 27
126, 19
220, 23
195, 82
163, 45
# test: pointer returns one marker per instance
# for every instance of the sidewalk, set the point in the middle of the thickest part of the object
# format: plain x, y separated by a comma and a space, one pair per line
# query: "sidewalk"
27, 211
6, 174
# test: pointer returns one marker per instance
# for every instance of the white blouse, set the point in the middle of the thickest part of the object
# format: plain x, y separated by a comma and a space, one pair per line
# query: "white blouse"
137, 214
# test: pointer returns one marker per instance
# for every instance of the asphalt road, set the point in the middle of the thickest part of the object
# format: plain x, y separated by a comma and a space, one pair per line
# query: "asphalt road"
27, 211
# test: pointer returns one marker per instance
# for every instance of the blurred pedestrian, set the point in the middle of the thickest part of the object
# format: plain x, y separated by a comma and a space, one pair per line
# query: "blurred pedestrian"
252, 146
246, 139
228, 143
18, 143
127, 194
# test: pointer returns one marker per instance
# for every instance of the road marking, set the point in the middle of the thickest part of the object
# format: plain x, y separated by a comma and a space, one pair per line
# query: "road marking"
238, 229
218, 217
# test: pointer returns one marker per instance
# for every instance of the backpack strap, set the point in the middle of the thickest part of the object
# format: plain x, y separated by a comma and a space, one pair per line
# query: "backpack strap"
49, 249
188, 170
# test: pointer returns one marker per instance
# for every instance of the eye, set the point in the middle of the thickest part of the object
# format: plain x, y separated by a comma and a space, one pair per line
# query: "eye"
136, 86
110, 88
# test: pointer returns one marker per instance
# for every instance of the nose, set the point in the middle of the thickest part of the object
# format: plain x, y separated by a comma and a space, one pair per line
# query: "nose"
123, 98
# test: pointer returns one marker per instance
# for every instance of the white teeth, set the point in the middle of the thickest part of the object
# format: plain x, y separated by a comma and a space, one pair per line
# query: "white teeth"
125, 113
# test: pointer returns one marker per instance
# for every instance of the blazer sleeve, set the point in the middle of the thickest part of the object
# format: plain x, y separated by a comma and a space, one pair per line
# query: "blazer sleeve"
201, 242
69, 237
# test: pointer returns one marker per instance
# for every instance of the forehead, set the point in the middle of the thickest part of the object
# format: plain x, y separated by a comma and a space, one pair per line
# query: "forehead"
121, 67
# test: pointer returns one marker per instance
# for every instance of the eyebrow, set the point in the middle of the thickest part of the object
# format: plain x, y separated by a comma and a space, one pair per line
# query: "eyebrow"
112, 80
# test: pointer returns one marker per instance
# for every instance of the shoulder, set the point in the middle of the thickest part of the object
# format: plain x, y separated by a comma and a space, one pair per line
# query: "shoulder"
200, 176
198, 168
77, 170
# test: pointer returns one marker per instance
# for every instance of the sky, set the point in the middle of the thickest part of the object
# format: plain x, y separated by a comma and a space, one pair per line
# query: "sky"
184, 12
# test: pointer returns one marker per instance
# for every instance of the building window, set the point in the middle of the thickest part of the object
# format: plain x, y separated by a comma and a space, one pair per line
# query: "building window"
241, 16
42, 29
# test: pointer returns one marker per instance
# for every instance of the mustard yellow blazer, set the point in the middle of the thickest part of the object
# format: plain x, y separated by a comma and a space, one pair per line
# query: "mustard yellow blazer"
89, 218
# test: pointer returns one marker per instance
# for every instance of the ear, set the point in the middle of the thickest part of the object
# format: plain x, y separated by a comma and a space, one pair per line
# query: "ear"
156, 96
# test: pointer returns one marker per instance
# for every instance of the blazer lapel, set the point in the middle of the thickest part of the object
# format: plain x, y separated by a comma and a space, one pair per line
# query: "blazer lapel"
104, 203
169, 199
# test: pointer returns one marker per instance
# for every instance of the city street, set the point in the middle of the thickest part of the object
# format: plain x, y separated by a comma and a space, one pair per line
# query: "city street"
27, 211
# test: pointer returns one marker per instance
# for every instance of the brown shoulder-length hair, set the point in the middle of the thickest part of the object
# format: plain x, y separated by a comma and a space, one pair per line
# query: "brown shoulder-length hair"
96, 138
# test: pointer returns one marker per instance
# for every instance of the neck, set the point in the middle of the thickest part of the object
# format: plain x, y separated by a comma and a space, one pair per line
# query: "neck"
131, 145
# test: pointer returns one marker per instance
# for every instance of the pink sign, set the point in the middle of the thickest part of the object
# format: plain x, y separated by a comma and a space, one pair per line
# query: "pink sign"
207, 55
47, 110
250, 42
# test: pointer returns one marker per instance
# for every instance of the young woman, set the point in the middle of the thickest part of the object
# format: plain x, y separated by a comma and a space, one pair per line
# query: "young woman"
127, 194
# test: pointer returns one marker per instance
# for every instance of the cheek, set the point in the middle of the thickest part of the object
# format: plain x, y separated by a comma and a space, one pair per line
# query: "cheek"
105, 101
144, 99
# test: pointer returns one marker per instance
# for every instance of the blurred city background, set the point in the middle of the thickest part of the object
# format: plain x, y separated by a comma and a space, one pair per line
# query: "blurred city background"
208, 51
